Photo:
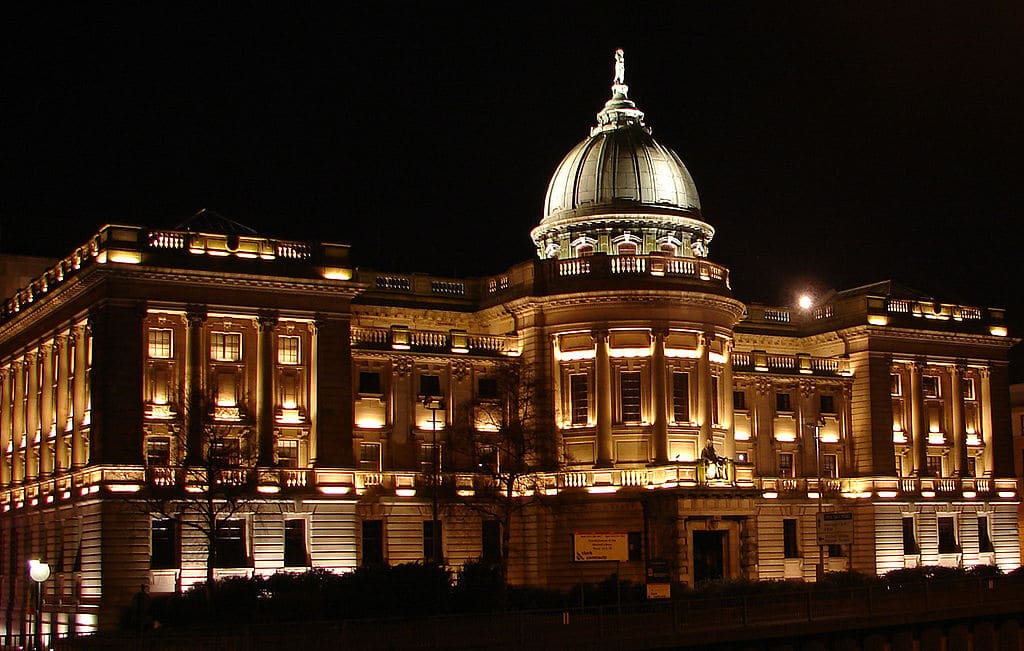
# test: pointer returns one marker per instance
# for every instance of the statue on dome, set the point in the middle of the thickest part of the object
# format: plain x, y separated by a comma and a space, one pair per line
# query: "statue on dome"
699, 248
620, 68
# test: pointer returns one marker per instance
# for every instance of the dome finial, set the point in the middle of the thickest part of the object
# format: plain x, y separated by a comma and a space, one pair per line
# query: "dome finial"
619, 86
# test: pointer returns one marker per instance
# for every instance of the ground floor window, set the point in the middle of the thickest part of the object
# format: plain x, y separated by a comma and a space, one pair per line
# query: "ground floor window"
947, 535
229, 543
295, 554
984, 536
790, 548
373, 542
163, 544
491, 542
909, 536
432, 540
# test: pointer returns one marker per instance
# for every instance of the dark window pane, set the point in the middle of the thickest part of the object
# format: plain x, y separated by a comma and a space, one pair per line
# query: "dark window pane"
432, 541
681, 397
789, 541
164, 547
229, 543
828, 404
491, 542
635, 541
487, 388
782, 402
909, 537
629, 390
739, 400
369, 382
373, 542
295, 543
578, 398
984, 539
947, 535
430, 385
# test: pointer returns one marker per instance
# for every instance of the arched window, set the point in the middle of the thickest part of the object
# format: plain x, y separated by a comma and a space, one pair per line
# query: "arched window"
668, 249
626, 248
584, 250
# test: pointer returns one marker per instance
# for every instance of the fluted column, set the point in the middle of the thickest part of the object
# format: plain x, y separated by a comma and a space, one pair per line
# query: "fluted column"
807, 424
959, 433
61, 408
195, 316
79, 340
918, 419
32, 417
728, 415
265, 389
603, 378
985, 402
704, 394
5, 426
47, 411
18, 445
659, 408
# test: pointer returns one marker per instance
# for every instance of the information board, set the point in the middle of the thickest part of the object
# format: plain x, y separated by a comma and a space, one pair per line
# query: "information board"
600, 546
835, 528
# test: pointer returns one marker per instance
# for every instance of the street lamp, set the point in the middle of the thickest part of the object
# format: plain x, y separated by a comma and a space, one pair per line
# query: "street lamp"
434, 404
819, 571
39, 571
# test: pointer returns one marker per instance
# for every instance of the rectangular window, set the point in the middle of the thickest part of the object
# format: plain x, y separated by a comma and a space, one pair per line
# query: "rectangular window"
430, 385
487, 458
288, 453
909, 536
490, 541
229, 543
369, 383
790, 548
827, 403
226, 452
935, 465
930, 386
972, 467
947, 535
369, 456
829, 466
895, 386
782, 402
968, 388
739, 400
160, 343
899, 465
163, 551
373, 542
578, 398
984, 536
680, 397
629, 396
428, 458
226, 346
785, 464
432, 540
835, 551
487, 388
714, 400
158, 451
287, 349
295, 543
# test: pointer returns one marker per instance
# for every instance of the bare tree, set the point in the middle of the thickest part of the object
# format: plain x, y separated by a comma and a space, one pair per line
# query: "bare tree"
502, 437
208, 476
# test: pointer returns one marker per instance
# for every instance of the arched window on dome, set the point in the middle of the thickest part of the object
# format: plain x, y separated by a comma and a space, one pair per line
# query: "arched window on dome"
626, 244
669, 246
668, 249
583, 246
626, 248
584, 250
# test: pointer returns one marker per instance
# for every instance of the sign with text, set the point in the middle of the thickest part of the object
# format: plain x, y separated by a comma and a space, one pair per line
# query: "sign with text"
600, 546
835, 528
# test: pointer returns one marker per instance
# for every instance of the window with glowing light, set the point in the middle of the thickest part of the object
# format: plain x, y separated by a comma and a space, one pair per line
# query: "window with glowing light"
369, 456
226, 346
968, 388
160, 343
627, 248
829, 466
430, 457
629, 396
578, 398
785, 464
895, 386
158, 451
934, 465
287, 349
585, 250
930, 386
680, 397
487, 458
288, 453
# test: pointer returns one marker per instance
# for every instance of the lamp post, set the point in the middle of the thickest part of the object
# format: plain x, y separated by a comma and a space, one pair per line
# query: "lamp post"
38, 571
819, 571
434, 404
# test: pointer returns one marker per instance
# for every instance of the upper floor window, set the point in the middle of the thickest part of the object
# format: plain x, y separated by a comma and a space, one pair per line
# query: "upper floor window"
680, 397
629, 394
229, 543
785, 464
783, 402
585, 250
829, 466
487, 388
578, 403
226, 346
430, 385
668, 249
287, 349
739, 400
895, 386
930, 386
288, 453
828, 403
627, 248
968, 385
369, 456
160, 343
369, 382
158, 451
910, 536
935, 465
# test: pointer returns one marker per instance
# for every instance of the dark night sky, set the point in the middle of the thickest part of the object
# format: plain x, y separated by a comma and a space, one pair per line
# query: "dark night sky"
833, 143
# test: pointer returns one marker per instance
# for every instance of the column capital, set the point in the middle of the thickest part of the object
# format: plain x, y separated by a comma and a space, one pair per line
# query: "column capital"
599, 334
659, 332
985, 373
267, 320
707, 339
918, 363
960, 367
195, 315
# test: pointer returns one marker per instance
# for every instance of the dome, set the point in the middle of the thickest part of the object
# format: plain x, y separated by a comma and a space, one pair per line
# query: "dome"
621, 178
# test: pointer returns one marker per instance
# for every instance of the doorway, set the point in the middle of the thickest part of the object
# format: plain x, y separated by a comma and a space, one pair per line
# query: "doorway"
708, 556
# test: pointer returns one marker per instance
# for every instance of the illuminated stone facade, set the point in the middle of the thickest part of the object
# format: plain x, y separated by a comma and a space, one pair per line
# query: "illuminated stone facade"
707, 431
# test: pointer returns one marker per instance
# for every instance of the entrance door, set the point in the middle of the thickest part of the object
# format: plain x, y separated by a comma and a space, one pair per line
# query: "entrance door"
708, 556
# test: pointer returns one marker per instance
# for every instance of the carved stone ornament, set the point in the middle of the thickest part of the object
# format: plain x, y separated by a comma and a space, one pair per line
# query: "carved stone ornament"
402, 366
461, 370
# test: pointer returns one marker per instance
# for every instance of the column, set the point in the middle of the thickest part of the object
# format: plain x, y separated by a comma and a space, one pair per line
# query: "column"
5, 427
959, 432
659, 408
603, 393
195, 316
47, 410
18, 421
918, 419
62, 462
985, 402
78, 339
807, 423
32, 416
704, 394
556, 384
115, 379
728, 415
265, 389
